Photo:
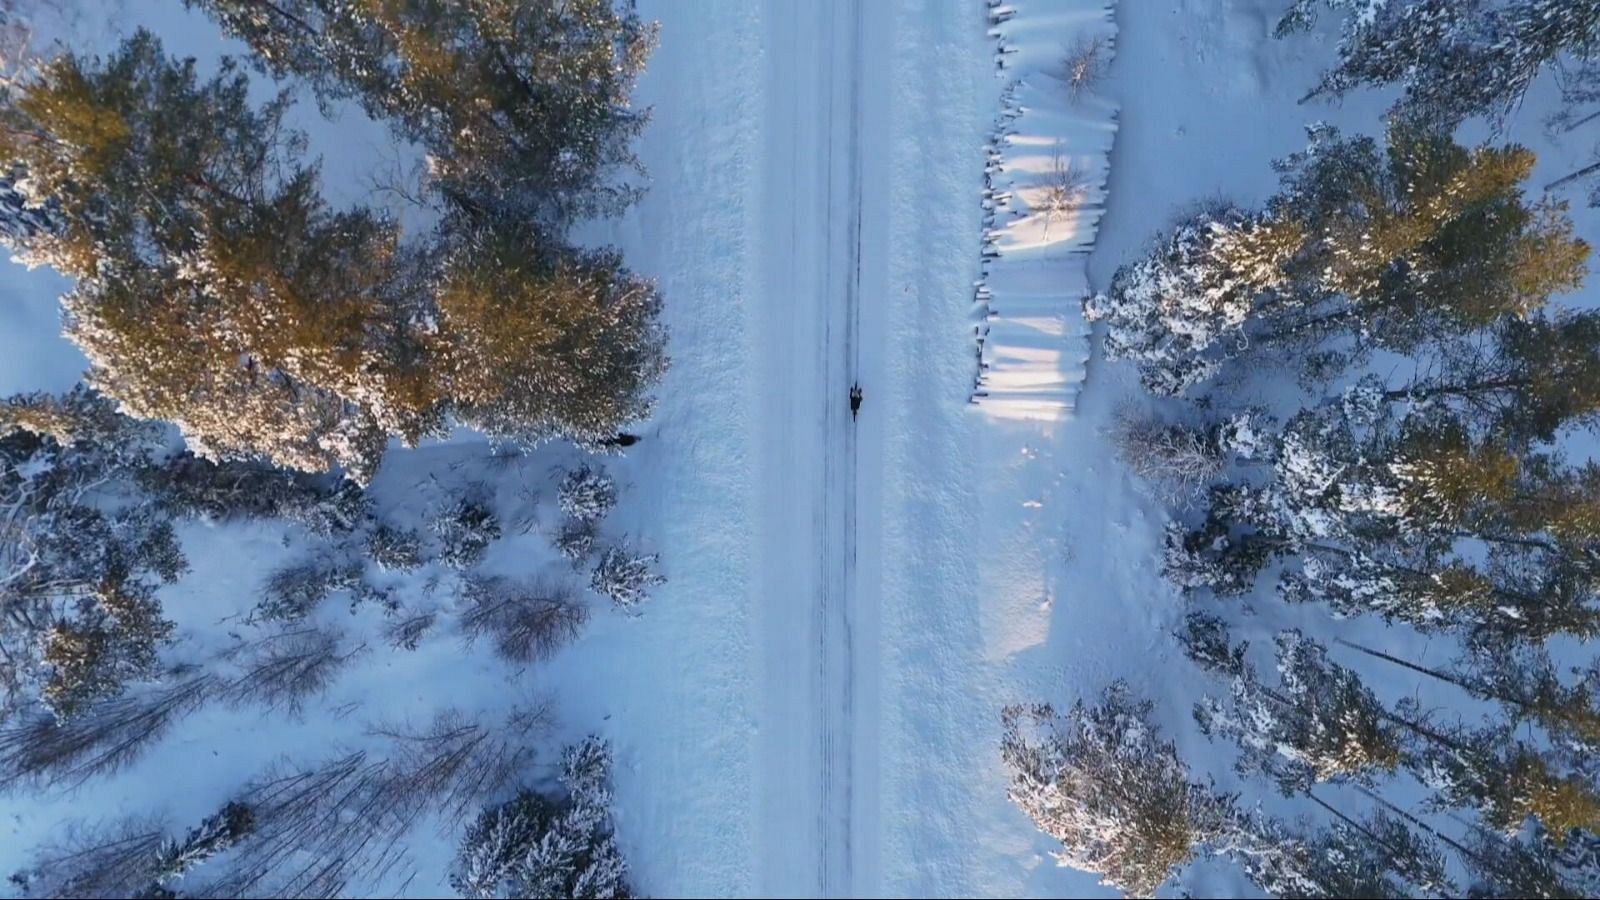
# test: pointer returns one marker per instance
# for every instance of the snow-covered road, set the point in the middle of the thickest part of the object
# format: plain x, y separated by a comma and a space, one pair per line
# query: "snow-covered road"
816, 798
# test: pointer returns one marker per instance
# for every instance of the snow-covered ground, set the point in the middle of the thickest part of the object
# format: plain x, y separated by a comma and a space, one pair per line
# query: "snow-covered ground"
810, 705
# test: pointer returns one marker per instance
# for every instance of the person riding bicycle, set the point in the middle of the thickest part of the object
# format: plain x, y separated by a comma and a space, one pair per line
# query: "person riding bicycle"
855, 400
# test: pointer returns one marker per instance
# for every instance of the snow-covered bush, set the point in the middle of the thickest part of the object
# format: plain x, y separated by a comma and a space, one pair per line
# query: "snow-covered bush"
1176, 461
587, 494
575, 540
538, 846
625, 577
465, 530
1102, 782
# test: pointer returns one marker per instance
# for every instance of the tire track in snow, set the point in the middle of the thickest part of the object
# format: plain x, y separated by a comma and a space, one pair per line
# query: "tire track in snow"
842, 317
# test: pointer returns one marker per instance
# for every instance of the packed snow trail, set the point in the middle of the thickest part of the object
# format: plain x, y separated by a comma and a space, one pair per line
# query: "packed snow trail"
819, 798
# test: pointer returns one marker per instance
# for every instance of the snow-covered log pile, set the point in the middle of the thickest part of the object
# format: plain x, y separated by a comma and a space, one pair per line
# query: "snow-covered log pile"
1045, 186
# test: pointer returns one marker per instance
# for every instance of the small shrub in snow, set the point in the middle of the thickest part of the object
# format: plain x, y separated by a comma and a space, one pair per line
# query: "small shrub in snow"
587, 494
575, 540
624, 577
294, 591
537, 846
465, 530
1085, 64
1064, 189
525, 622
1176, 461
1102, 782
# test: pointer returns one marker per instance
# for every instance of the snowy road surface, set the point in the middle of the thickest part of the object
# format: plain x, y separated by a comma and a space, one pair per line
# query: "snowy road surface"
816, 800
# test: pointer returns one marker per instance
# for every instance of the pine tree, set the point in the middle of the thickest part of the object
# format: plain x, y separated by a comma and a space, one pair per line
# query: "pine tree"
540, 846
1507, 781
625, 577
587, 494
1102, 782
1534, 375
214, 288
1455, 58
1319, 724
540, 343
1394, 245
1378, 857
81, 549
112, 639
522, 107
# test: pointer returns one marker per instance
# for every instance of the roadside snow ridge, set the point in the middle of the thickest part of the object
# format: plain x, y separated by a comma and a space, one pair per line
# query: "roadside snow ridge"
1044, 194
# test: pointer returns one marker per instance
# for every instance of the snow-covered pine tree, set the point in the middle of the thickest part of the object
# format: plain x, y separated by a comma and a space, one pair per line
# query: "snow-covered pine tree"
1507, 780
215, 834
395, 548
539, 341
81, 551
576, 539
1320, 723
1206, 640
111, 638
1103, 782
1377, 857
523, 108
1180, 312
20, 219
466, 527
213, 286
1389, 245
625, 577
587, 493
1456, 58
542, 846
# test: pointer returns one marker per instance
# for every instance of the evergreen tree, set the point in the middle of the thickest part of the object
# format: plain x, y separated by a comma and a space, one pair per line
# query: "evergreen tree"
587, 494
539, 342
1319, 724
1378, 857
1392, 246
1103, 782
81, 549
111, 639
214, 288
625, 577
1507, 781
1455, 58
523, 107
539, 846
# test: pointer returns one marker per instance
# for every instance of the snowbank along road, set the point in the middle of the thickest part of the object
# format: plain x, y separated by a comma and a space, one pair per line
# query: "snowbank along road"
818, 802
